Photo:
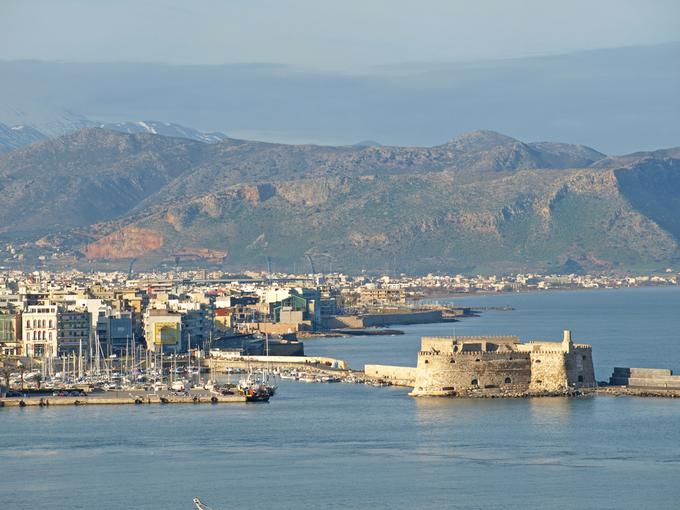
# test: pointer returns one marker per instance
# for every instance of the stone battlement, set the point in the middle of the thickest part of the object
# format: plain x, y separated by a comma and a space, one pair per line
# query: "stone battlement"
486, 354
462, 339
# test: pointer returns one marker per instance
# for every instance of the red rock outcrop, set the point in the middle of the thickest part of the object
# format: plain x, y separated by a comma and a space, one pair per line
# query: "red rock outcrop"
125, 243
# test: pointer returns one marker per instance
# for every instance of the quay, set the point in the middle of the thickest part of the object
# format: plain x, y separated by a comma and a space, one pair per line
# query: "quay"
223, 364
122, 398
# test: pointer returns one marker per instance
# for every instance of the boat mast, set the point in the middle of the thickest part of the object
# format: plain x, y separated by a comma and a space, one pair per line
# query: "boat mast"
134, 353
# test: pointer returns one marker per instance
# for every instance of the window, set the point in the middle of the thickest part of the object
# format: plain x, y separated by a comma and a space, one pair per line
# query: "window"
584, 357
580, 378
452, 360
538, 361
474, 382
427, 361
508, 380
477, 359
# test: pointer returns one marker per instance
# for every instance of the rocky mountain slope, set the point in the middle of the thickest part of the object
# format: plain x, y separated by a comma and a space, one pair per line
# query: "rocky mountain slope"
13, 137
481, 202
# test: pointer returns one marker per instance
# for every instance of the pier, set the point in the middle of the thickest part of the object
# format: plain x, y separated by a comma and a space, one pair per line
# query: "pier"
122, 398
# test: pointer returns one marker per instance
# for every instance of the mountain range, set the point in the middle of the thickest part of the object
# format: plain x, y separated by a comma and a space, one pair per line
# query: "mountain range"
13, 137
482, 202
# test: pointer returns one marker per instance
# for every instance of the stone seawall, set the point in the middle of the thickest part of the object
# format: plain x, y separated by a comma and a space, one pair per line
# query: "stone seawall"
382, 319
399, 376
220, 364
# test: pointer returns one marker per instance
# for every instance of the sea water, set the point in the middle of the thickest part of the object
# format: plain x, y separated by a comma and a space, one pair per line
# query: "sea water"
355, 446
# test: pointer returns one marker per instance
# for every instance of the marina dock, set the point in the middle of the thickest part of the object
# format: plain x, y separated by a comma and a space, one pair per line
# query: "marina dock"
121, 398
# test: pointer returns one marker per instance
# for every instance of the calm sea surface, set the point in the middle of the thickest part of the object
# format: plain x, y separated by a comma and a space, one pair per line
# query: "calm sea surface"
351, 446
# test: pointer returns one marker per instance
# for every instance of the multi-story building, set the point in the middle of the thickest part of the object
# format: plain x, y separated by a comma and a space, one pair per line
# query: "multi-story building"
73, 330
163, 330
10, 332
196, 326
40, 330
381, 296
224, 321
51, 330
115, 332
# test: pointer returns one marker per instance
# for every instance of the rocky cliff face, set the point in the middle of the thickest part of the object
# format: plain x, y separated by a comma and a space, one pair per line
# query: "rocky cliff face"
483, 201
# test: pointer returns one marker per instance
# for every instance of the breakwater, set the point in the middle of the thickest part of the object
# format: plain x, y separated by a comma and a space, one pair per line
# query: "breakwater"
645, 378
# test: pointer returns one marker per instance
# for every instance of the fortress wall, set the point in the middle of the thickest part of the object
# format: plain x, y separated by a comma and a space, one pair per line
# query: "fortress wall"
548, 371
538, 346
450, 340
437, 343
448, 374
446, 344
579, 365
401, 376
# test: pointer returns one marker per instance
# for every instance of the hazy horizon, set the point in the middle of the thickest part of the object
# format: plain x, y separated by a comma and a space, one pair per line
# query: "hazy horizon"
601, 98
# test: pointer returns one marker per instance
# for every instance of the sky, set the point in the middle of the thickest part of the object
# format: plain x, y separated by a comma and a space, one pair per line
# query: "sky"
347, 35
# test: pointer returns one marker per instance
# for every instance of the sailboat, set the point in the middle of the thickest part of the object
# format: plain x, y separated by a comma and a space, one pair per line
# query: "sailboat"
257, 387
193, 371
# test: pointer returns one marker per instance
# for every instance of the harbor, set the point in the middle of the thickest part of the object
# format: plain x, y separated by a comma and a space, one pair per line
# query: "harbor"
345, 433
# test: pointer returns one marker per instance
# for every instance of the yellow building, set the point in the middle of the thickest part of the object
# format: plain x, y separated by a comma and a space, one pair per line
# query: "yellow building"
163, 330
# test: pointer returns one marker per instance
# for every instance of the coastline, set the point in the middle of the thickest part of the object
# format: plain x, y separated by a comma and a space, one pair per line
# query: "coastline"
487, 293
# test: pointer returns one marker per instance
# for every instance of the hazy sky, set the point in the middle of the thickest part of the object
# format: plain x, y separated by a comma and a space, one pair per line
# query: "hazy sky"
346, 34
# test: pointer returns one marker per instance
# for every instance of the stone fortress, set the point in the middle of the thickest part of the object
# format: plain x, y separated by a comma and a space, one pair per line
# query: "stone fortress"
493, 365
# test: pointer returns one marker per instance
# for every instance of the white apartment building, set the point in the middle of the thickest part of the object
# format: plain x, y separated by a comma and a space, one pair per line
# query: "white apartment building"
51, 330
40, 330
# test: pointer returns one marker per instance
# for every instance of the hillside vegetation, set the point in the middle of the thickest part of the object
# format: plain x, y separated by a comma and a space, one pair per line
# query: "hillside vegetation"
481, 202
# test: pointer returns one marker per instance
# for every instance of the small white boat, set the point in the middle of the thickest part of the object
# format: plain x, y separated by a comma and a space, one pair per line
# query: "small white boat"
330, 379
200, 505
179, 386
160, 387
